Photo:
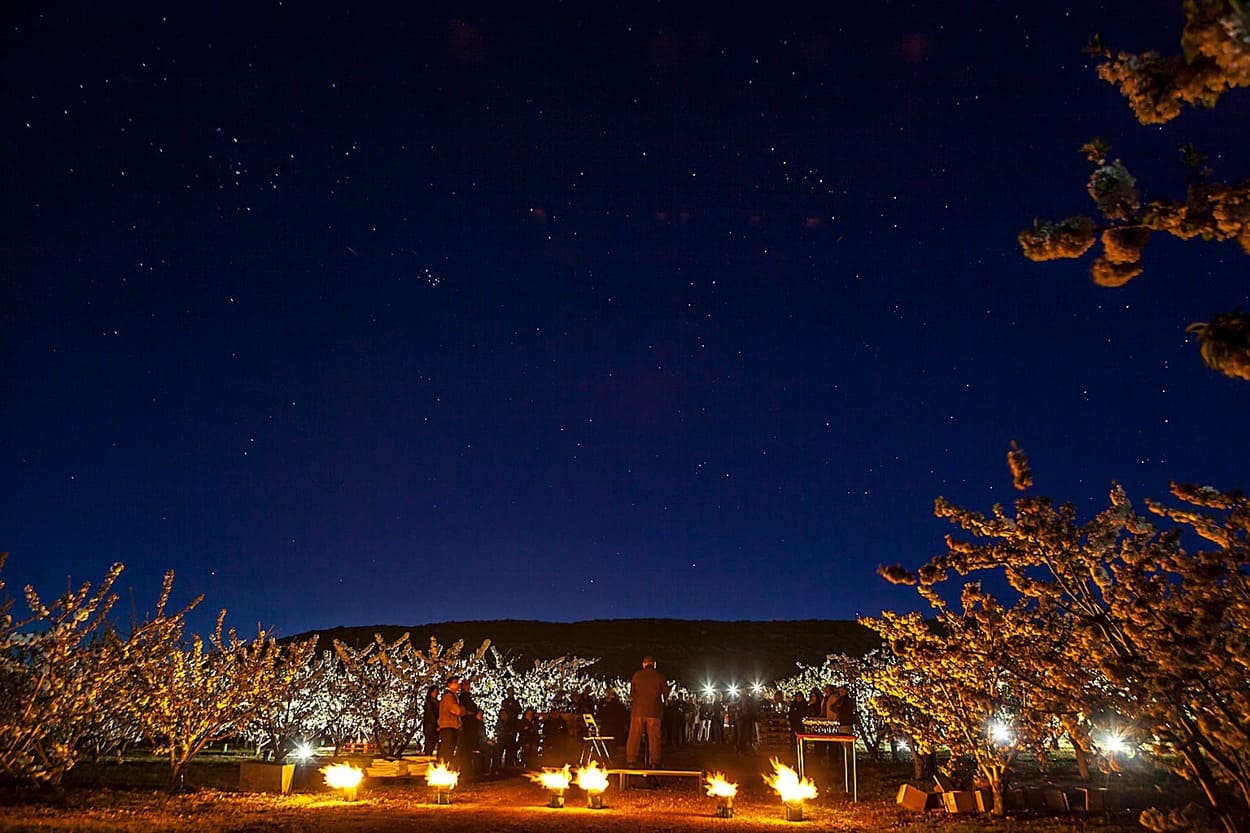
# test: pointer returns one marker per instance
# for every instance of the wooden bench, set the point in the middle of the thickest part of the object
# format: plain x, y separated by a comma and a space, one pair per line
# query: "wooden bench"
624, 774
356, 748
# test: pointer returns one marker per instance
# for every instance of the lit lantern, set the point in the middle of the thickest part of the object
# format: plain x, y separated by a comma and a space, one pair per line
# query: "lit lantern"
792, 789
594, 781
443, 780
556, 780
343, 777
724, 793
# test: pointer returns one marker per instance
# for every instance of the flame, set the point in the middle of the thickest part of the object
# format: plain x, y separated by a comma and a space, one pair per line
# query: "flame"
553, 779
441, 776
719, 787
591, 778
342, 776
788, 785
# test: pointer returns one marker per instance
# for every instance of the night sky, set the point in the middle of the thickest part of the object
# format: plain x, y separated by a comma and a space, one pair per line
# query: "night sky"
419, 312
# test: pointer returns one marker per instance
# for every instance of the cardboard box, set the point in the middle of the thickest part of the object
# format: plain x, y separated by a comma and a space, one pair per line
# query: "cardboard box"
1095, 799
1034, 800
985, 801
959, 801
1056, 799
913, 799
260, 777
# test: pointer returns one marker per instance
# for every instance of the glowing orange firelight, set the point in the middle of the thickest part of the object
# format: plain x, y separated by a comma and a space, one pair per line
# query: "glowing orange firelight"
343, 777
723, 792
442, 778
792, 789
788, 785
594, 781
591, 778
720, 788
556, 780
553, 779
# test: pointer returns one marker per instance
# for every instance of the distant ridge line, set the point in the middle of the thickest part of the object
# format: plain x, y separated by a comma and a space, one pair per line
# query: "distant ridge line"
694, 650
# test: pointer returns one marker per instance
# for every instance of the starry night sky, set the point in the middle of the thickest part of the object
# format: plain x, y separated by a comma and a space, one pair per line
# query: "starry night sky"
418, 312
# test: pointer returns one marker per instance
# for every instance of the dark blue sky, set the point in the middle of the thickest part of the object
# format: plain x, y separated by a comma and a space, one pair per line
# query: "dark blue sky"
413, 313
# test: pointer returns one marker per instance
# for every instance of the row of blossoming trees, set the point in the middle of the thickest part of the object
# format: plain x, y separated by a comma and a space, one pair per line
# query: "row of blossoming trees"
73, 684
1124, 625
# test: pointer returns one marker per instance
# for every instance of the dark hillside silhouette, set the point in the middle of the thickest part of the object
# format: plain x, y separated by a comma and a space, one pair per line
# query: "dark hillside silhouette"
694, 651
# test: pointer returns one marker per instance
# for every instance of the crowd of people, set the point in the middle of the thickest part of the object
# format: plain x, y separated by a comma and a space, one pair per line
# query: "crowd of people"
453, 728
659, 716
832, 704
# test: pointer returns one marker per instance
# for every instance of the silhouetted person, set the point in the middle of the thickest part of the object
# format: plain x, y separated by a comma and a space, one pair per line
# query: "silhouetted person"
748, 713
844, 710
613, 718
472, 734
429, 721
506, 727
527, 738
798, 711
646, 695
555, 738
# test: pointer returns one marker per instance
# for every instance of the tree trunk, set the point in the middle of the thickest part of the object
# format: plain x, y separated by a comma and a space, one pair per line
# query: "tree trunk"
177, 775
1082, 761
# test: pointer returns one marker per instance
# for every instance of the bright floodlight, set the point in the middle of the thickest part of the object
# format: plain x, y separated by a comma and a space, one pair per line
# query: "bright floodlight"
756, 688
1115, 744
708, 688
303, 752
1001, 733
733, 691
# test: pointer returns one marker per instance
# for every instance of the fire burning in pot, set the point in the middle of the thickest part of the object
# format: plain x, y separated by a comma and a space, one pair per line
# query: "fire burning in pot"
556, 780
792, 789
724, 793
343, 777
594, 781
443, 780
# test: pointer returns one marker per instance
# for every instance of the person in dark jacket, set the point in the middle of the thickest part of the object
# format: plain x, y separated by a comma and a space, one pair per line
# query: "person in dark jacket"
647, 691
748, 714
815, 703
613, 718
555, 738
798, 711
429, 721
844, 708
527, 738
506, 727
472, 734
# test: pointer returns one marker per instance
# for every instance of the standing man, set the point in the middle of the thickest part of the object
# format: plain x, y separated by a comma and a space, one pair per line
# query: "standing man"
646, 694
450, 713
507, 726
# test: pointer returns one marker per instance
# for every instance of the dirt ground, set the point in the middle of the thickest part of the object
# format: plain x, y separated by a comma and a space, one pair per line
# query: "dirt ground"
120, 798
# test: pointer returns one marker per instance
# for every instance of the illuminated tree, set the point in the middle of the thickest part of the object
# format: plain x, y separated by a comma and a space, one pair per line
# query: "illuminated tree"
57, 669
388, 681
290, 716
65, 678
873, 730
338, 716
1153, 632
190, 693
1216, 44
541, 684
968, 682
